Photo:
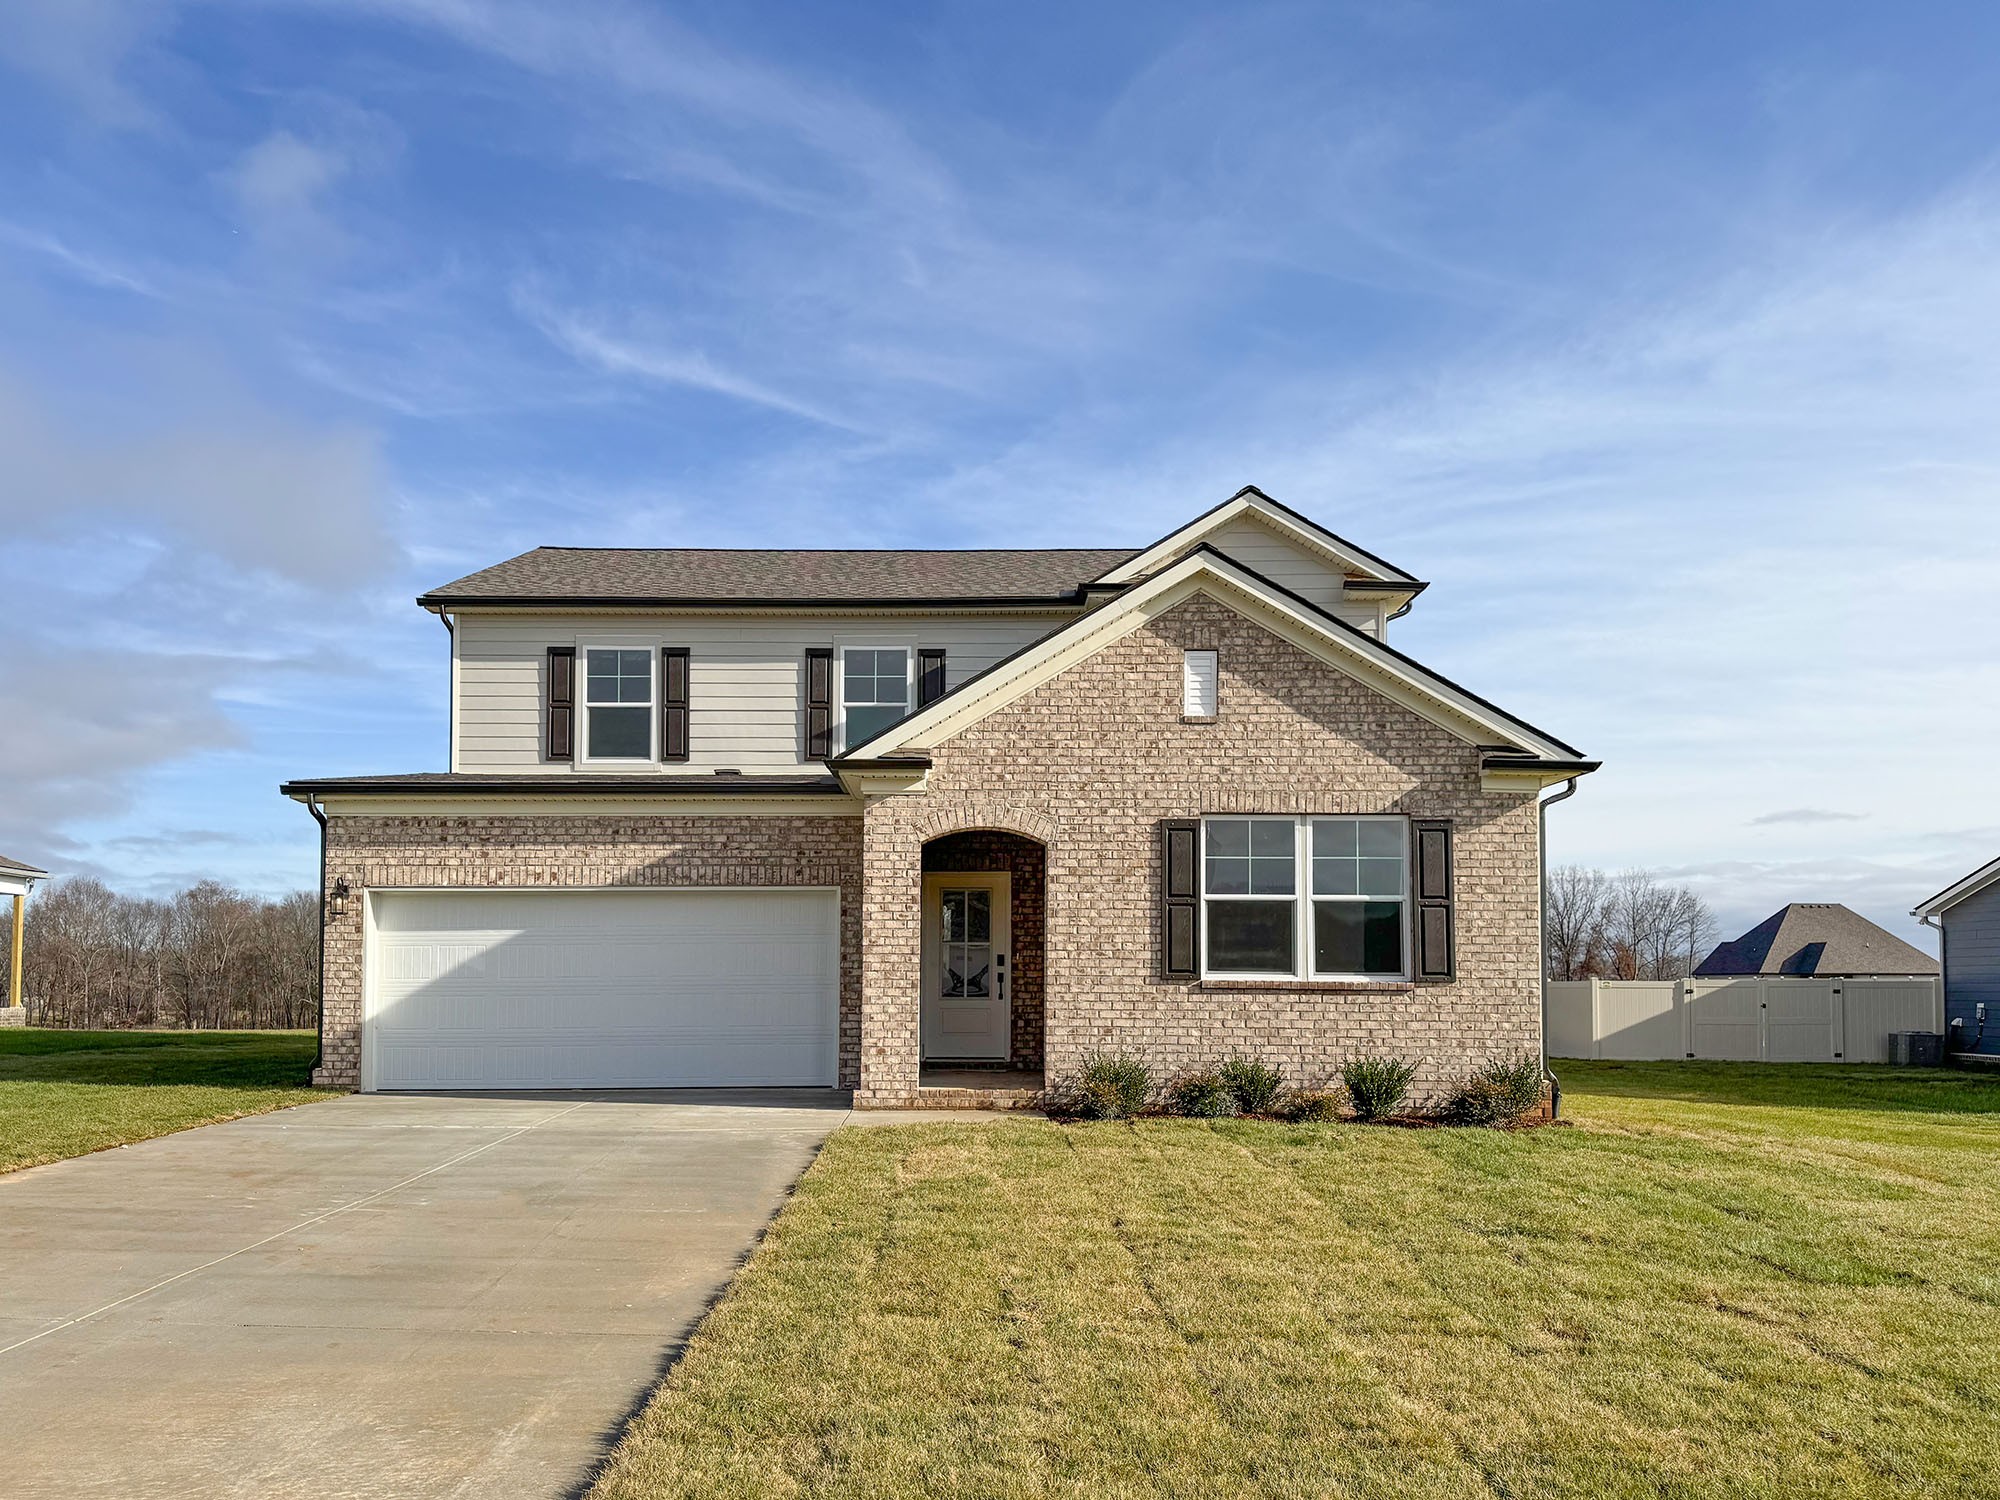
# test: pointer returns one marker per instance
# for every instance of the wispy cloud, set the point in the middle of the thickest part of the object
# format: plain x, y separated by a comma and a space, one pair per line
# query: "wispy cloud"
689, 368
1806, 815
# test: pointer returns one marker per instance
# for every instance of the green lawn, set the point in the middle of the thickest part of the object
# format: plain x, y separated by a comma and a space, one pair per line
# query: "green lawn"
1721, 1280
63, 1093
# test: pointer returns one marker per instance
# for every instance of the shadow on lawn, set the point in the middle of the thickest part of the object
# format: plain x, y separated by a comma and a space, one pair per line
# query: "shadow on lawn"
141, 1059
1865, 1086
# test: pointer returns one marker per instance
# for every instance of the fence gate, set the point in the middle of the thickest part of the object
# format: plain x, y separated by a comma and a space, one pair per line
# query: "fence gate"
1727, 1022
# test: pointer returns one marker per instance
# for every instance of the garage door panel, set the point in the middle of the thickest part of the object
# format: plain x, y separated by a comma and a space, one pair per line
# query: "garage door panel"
603, 989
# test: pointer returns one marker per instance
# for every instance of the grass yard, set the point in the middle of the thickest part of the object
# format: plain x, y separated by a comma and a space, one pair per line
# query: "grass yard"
1723, 1280
64, 1093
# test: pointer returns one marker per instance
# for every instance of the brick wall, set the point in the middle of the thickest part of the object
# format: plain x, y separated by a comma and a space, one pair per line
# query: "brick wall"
1022, 859
517, 851
1092, 760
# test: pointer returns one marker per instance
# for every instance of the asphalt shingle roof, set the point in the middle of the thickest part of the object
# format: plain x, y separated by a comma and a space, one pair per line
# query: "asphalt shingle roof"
640, 574
1810, 938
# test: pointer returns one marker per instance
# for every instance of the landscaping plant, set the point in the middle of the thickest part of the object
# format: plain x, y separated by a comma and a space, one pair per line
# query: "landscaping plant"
1310, 1106
1201, 1095
1496, 1093
1107, 1088
1254, 1085
1376, 1086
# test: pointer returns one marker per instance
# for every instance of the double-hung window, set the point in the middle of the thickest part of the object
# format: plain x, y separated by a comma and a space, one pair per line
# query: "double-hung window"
1305, 898
618, 704
874, 691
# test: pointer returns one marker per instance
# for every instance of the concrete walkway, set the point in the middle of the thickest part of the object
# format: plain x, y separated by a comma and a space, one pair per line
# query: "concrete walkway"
382, 1296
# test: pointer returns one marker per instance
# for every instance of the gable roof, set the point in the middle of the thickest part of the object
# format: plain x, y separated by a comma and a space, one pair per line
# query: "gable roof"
1206, 570
18, 867
1365, 566
1956, 892
660, 576
1810, 938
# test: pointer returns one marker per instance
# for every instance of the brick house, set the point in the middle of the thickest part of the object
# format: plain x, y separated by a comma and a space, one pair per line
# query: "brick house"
933, 826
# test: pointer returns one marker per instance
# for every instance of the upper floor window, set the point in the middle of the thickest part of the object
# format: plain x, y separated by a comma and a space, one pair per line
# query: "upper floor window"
874, 691
618, 705
1298, 898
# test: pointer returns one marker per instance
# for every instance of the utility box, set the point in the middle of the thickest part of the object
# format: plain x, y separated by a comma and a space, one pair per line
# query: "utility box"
1916, 1049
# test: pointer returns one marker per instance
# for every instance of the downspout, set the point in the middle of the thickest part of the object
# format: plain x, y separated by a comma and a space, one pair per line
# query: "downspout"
1542, 934
451, 694
319, 1045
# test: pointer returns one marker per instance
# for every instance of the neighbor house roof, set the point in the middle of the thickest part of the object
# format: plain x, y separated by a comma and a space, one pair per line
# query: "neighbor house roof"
626, 576
18, 867
1815, 938
1958, 890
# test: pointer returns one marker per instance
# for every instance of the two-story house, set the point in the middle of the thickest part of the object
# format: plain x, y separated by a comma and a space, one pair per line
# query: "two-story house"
854, 818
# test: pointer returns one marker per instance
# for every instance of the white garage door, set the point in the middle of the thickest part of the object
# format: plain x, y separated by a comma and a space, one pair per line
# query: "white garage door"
601, 989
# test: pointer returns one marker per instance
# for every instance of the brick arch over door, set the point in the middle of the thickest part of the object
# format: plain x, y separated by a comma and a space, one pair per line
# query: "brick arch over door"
972, 814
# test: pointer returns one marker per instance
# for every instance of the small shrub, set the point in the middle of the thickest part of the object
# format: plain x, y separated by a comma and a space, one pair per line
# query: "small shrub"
1200, 1095
1310, 1106
1496, 1093
1376, 1086
1106, 1088
1255, 1086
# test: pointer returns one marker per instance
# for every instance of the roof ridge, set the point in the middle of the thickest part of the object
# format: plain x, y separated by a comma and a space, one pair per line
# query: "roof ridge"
830, 551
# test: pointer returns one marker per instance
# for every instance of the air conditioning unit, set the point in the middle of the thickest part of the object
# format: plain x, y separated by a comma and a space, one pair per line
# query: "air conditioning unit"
1916, 1049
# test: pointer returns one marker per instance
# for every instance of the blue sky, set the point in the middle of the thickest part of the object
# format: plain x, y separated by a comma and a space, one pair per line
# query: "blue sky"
1662, 338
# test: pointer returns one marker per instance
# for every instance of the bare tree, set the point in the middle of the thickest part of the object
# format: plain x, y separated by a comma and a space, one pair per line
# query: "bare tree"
1574, 934
1627, 926
208, 957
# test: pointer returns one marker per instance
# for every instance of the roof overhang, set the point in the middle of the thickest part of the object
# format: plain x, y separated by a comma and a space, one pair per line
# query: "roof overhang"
1951, 895
1207, 571
1501, 771
562, 794
15, 882
1282, 519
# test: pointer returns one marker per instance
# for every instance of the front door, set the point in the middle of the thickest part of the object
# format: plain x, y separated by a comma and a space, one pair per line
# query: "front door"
966, 961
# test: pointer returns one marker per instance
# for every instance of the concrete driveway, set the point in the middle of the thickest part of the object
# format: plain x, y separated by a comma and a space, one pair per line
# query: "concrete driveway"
378, 1295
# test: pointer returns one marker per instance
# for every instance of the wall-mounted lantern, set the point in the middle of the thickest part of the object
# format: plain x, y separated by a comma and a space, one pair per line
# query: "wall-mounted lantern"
336, 901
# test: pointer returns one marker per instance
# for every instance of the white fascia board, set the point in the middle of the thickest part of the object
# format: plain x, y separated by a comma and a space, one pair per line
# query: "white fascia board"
1311, 537
18, 885
1951, 895
555, 805
1349, 651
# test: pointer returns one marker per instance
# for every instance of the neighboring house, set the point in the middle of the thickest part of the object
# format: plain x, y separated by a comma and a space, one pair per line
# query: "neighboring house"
16, 880
839, 818
1817, 940
1967, 917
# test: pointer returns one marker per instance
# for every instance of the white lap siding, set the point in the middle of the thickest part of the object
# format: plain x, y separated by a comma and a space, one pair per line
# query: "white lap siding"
744, 677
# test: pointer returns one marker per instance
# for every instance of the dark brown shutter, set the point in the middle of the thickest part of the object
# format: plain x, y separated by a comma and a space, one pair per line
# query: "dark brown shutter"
561, 715
819, 703
673, 703
930, 675
1180, 898
1430, 882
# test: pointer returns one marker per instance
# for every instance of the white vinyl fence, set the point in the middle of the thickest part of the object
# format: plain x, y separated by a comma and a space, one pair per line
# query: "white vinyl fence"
1743, 1020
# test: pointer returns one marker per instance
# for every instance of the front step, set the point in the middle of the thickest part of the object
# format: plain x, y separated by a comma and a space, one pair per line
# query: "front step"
977, 1098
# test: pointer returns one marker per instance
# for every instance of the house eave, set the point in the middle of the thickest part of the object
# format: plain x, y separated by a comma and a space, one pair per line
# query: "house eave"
1958, 891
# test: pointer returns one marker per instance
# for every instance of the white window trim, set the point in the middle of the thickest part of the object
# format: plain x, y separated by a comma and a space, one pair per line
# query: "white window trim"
841, 646
1302, 898
584, 705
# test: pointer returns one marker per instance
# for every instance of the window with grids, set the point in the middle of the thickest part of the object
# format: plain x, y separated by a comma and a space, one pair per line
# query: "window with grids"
874, 691
1309, 897
618, 700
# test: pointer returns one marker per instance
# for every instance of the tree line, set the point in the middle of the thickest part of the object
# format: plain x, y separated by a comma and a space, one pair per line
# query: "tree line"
1624, 926
206, 958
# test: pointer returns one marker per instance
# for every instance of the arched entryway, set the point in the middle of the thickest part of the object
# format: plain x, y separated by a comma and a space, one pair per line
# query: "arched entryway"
984, 950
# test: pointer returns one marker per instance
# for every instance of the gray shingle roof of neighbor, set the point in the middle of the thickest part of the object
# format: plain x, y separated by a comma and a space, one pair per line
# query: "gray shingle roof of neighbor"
628, 575
21, 867
1815, 938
